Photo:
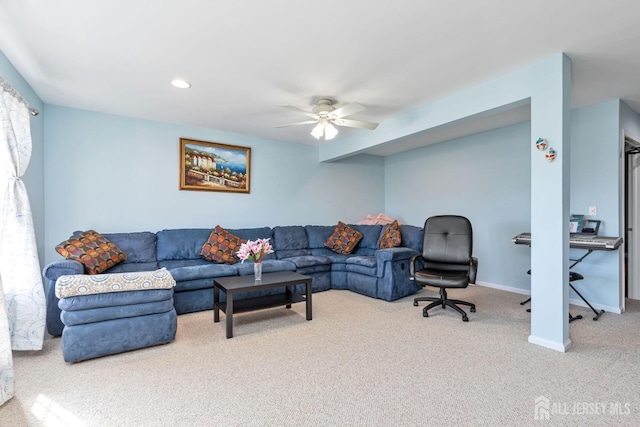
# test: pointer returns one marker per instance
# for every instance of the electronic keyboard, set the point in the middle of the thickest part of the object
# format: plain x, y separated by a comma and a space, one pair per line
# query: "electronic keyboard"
579, 241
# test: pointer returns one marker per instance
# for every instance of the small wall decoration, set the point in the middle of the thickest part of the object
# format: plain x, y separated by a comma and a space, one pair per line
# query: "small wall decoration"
550, 155
211, 166
541, 144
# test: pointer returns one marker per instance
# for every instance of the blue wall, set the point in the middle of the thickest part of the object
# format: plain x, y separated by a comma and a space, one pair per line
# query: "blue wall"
485, 177
34, 177
595, 139
119, 174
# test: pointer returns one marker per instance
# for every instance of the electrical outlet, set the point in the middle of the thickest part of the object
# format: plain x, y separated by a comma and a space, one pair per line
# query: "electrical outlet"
593, 211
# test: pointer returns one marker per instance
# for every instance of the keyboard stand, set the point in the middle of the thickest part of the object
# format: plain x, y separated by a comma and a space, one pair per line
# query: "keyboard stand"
576, 262
597, 313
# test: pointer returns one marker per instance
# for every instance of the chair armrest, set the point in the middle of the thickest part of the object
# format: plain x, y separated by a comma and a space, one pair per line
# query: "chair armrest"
412, 266
473, 270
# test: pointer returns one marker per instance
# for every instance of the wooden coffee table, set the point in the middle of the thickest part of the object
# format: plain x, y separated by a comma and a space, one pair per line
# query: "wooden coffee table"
238, 284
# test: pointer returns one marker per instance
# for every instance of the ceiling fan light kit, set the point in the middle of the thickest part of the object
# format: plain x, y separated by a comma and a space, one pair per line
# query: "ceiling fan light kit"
325, 116
324, 127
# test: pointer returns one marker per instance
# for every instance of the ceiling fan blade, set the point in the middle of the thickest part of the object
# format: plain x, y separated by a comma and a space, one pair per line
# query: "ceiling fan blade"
300, 110
360, 124
307, 122
347, 110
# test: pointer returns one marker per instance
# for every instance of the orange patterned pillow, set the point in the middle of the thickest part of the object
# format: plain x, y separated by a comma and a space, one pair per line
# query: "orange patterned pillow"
221, 247
343, 239
391, 236
93, 250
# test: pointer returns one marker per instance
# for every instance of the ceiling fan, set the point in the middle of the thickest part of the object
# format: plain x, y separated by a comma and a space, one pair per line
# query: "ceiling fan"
326, 115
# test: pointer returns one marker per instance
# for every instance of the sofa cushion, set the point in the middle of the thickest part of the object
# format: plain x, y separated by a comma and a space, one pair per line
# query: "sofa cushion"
412, 236
290, 241
139, 247
221, 246
366, 261
86, 302
181, 243
370, 237
131, 267
175, 263
317, 235
252, 233
309, 260
391, 236
101, 314
204, 271
363, 265
343, 239
268, 266
93, 250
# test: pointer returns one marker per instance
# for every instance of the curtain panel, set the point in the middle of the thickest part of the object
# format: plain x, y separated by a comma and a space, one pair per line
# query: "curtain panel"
23, 307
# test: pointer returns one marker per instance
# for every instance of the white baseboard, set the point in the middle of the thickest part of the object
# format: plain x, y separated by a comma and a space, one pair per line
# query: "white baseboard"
572, 301
504, 288
562, 347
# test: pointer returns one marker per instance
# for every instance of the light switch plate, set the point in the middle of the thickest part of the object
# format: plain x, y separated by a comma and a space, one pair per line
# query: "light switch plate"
593, 210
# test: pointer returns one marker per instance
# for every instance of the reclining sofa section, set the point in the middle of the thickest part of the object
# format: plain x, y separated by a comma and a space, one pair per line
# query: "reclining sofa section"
378, 273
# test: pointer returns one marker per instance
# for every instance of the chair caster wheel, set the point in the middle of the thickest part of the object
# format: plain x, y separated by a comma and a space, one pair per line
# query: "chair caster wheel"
465, 319
415, 303
473, 309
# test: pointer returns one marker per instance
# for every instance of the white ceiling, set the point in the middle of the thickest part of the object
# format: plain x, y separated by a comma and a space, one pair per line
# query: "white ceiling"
245, 58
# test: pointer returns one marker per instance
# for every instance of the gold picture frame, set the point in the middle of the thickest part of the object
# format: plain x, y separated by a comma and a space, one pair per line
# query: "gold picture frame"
211, 166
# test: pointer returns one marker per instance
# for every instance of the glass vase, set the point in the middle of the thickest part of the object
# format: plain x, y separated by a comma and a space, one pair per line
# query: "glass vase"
257, 270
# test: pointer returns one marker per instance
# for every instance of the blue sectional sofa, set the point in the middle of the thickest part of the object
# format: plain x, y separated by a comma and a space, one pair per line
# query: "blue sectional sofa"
378, 273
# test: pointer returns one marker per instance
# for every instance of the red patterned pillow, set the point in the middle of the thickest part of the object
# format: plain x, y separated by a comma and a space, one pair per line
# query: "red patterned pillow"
221, 247
343, 239
93, 250
391, 236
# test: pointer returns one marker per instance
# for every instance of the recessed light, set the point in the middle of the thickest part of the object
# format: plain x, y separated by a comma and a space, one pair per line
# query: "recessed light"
182, 84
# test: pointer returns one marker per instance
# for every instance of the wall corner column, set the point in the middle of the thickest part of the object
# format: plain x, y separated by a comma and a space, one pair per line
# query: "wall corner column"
550, 191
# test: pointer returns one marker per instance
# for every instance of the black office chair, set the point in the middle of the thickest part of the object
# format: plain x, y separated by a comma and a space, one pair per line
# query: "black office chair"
446, 261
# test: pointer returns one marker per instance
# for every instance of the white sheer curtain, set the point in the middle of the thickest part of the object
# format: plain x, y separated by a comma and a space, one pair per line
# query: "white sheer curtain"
22, 302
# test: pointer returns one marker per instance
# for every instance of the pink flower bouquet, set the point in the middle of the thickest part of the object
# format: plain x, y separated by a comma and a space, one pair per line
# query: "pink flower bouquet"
255, 250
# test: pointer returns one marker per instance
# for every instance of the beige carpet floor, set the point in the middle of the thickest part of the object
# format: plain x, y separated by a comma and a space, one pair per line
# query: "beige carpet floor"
359, 362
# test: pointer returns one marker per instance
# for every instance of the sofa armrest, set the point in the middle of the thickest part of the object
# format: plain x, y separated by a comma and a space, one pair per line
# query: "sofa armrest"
395, 254
51, 272
392, 255
59, 268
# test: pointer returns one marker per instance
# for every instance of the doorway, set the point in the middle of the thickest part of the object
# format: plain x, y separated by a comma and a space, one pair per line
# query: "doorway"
631, 212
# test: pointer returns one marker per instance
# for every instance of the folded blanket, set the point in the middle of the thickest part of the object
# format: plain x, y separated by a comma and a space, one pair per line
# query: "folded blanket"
380, 219
84, 284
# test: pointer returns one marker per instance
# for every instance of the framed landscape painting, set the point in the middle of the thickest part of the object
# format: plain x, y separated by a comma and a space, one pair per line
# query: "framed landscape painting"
210, 166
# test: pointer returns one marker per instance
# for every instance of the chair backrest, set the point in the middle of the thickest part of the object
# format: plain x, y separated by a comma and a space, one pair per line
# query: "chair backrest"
448, 239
